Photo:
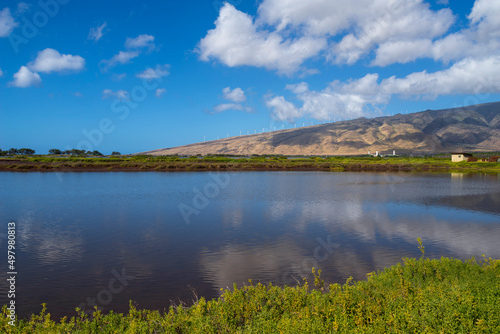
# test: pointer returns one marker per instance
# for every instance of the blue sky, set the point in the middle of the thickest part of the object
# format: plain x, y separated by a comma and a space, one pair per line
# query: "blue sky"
132, 76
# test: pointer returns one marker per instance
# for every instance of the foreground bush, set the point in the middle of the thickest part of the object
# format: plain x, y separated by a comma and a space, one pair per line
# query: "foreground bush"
417, 296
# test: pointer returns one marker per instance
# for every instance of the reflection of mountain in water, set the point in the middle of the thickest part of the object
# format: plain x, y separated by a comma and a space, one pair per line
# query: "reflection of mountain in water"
373, 219
481, 203
364, 242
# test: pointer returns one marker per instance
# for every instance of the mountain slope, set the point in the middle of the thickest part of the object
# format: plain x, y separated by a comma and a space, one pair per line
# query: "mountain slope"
472, 128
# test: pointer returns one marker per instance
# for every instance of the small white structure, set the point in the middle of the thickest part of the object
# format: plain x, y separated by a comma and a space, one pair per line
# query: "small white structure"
460, 156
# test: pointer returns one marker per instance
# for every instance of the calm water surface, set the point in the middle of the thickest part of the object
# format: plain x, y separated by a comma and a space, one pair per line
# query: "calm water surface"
161, 238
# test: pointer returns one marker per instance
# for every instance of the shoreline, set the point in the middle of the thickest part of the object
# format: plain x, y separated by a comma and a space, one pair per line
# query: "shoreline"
234, 165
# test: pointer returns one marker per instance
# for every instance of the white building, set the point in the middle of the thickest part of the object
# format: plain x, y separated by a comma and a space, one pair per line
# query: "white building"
460, 156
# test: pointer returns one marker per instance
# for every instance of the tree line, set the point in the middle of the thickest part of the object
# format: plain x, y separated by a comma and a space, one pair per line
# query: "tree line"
16, 151
54, 151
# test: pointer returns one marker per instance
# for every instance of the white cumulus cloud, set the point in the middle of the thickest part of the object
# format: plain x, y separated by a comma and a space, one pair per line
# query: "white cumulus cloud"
468, 76
286, 33
360, 97
1, 73
236, 98
384, 22
317, 17
141, 41
479, 39
235, 95
346, 100
237, 41
47, 61
7, 22
282, 109
402, 51
50, 60
154, 73
486, 12
25, 78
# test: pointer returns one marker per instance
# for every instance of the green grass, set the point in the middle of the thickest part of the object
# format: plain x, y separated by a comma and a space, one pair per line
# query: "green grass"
169, 163
415, 296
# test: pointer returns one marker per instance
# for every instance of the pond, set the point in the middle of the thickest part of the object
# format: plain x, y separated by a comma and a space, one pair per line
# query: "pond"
159, 239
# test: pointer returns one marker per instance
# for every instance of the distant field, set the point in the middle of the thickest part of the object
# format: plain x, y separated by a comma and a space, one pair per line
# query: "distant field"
248, 163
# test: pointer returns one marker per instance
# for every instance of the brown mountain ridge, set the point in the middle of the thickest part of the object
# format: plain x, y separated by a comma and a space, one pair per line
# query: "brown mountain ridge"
472, 128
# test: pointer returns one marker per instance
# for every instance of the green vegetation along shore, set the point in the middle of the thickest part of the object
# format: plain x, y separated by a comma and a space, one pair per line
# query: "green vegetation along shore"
416, 296
440, 163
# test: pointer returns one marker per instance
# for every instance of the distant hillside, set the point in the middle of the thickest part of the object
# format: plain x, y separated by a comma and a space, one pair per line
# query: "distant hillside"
473, 128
